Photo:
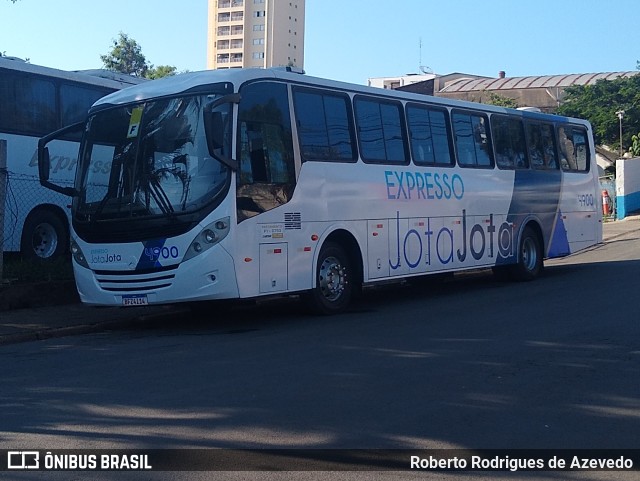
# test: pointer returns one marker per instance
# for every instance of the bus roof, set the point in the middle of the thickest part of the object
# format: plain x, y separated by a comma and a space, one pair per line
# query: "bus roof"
183, 83
111, 75
178, 84
103, 78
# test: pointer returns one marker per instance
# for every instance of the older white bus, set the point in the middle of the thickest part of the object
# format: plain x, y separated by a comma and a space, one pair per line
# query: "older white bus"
35, 100
247, 183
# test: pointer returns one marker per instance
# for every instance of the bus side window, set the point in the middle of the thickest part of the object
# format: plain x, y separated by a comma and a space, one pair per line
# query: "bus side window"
542, 149
574, 148
429, 136
581, 150
508, 141
381, 131
74, 100
325, 126
267, 173
28, 105
471, 140
549, 146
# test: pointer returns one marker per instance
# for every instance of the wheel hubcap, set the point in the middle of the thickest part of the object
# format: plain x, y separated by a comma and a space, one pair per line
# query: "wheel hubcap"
529, 254
332, 278
44, 240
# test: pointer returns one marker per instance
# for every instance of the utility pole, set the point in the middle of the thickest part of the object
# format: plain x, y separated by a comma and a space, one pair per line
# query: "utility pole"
620, 114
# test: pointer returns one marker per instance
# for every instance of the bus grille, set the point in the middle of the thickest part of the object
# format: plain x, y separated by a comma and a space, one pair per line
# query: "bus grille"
136, 281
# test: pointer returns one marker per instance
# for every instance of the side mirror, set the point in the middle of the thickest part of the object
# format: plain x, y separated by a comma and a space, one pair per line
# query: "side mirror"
44, 159
44, 163
214, 127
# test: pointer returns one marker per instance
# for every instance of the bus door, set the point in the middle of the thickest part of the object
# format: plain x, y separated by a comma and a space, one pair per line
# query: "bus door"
266, 176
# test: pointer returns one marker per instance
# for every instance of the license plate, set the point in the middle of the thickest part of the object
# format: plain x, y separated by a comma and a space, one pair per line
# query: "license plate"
135, 300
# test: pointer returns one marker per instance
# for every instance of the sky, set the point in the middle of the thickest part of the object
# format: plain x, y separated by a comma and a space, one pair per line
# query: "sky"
349, 40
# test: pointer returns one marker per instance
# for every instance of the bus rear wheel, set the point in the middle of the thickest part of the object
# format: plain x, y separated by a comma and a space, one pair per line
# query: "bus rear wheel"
334, 289
44, 236
530, 255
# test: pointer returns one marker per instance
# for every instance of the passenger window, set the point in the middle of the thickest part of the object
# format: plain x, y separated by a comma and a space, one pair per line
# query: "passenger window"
381, 131
574, 148
267, 173
324, 127
28, 105
508, 142
429, 136
542, 147
75, 102
581, 150
472, 140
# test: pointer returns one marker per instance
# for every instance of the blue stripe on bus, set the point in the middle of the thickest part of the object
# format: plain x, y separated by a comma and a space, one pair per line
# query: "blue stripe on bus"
559, 244
151, 254
537, 192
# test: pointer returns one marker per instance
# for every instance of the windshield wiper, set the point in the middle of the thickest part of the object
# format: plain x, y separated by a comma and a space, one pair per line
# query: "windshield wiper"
115, 168
160, 196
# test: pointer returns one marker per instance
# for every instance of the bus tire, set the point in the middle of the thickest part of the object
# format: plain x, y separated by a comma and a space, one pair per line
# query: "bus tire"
334, 289
530, 255
44, 235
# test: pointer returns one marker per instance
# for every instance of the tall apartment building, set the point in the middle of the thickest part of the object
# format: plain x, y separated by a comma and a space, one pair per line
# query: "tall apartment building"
255, 33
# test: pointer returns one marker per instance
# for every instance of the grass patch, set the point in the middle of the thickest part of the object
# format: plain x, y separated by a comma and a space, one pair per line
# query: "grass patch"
17, 269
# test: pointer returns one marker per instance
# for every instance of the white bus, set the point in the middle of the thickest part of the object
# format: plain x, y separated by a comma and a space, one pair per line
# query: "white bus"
249, 182
35, 100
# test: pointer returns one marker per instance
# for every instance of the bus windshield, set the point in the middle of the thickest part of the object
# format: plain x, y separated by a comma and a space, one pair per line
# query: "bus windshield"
150, 159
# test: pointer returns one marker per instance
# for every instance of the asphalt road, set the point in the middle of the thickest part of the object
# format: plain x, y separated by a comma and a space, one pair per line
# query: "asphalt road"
469, 363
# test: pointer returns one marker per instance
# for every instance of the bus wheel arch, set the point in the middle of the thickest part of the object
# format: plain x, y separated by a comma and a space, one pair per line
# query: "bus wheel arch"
338, 274
529, 263
45, 233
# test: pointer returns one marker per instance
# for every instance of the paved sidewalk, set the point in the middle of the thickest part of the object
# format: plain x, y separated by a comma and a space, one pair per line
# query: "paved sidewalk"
618, 228
21, 325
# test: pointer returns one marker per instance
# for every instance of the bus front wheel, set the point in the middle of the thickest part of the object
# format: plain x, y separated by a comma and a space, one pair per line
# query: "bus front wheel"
530, 255
334, 289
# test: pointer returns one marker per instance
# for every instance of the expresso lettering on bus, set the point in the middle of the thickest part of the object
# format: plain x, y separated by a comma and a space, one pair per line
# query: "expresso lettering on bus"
60, 162
423, 185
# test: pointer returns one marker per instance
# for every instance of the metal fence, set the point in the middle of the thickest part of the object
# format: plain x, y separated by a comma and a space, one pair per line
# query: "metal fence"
23, 197
3, 190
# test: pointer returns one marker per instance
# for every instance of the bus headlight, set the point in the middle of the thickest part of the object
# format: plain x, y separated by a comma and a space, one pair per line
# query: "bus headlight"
208, 237
78, 255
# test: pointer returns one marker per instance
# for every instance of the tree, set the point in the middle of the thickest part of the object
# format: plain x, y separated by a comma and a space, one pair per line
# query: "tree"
635, 145
492, 98
126, 57
160, 71
598, 103
501, 101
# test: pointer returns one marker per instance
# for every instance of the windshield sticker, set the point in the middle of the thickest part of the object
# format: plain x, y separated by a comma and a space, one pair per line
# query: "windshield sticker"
134, 122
